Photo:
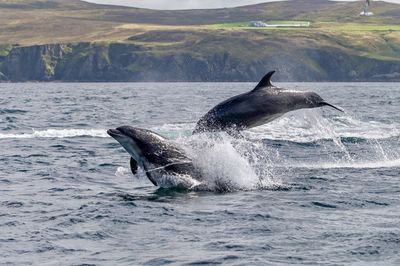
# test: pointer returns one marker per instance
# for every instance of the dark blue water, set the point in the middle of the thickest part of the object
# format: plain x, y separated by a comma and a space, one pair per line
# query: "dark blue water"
314, 187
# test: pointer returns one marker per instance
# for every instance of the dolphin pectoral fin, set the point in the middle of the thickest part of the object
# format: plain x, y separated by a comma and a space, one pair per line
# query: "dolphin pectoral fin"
265, 81
134, 166
146, 170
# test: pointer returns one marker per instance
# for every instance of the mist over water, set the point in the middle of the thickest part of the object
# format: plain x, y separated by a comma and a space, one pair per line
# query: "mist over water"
315, 186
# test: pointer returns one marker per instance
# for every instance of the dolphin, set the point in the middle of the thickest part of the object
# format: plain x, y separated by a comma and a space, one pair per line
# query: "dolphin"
261, 105
164, 163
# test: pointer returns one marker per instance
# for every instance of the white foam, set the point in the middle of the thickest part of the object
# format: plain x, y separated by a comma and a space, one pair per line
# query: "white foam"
301, 126
57, 133
122, 172
306, 126
353, 165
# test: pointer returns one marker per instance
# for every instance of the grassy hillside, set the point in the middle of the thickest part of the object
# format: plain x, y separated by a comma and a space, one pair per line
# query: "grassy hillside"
335, 26
28, 22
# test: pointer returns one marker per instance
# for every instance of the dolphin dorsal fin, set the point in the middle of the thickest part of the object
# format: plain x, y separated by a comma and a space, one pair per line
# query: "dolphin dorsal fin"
265, 81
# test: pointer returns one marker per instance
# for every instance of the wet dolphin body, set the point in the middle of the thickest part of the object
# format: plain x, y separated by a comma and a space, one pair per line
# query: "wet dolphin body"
157, 156
262, 105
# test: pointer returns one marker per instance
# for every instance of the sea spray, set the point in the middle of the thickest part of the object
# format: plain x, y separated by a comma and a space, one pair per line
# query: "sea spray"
326, 128
229, 164
299, 127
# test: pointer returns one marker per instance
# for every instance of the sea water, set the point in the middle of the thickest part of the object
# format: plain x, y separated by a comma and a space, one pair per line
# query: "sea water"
313, 187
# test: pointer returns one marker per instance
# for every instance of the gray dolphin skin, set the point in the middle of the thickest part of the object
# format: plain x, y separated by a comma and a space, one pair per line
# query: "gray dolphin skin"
262, 105
156, 155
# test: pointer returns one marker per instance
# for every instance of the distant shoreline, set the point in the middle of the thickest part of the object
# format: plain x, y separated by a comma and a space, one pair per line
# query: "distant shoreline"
83, 42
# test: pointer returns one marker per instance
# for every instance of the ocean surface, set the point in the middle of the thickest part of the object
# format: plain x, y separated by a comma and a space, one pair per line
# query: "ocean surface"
316, 187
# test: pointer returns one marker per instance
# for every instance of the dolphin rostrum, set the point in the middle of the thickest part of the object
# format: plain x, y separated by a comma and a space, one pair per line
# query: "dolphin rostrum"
262, 105
164, 163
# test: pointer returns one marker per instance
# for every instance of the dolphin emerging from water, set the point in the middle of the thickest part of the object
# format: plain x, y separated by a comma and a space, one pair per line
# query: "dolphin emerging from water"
262, 105
164, 163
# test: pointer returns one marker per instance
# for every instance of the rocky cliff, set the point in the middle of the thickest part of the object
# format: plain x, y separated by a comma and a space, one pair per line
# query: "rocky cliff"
131, 62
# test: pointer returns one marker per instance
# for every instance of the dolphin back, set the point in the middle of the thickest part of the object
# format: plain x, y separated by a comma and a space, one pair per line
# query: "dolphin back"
237, 112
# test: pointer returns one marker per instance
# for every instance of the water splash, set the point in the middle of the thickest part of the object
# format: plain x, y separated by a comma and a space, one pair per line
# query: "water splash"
326, 128
122, 172
229, 164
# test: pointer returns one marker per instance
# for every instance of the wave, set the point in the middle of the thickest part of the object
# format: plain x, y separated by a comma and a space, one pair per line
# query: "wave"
302, 127
305, 126
309, 127
352, 165
57, 133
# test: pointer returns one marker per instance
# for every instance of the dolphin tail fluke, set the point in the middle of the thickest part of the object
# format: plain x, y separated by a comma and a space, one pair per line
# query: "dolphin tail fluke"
265, 81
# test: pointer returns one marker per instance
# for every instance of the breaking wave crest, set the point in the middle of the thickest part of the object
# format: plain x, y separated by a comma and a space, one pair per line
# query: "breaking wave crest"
304, 126
353, 165
308, 126
56, 133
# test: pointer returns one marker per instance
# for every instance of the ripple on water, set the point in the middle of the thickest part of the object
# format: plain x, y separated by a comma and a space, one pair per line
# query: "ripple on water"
12, 204
324, 205
12, 111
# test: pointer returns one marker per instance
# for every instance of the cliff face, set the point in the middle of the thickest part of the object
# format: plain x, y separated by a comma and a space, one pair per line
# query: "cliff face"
129, 62
32, 63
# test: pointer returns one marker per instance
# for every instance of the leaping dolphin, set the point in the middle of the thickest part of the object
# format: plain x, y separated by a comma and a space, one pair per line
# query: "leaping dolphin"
164, 163
262, 105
